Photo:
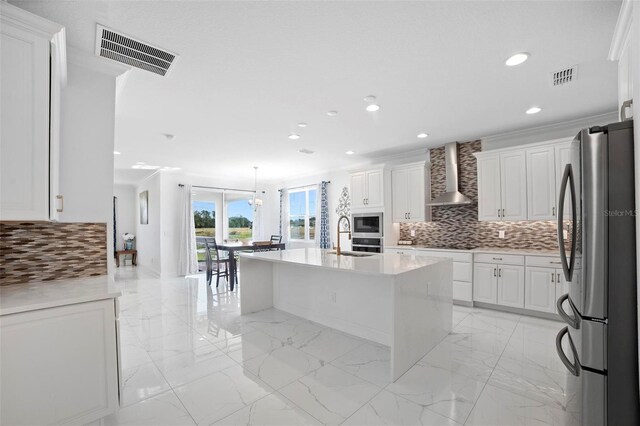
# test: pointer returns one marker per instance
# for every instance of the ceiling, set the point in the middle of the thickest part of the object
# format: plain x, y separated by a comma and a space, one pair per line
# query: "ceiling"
248, 72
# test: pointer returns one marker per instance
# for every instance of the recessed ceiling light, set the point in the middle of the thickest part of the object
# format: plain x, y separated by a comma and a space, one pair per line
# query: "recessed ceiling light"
369, 98
332, 113
350, 152
116, 152
373, 107
306, 151
302, 124
516, 59
294, 136
534, 110
422, 135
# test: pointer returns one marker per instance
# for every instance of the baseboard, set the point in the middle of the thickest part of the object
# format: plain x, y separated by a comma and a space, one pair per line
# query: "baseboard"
463, 303
519, 311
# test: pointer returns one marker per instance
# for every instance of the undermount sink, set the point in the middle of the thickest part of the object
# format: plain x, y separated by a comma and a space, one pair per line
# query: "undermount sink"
353, 253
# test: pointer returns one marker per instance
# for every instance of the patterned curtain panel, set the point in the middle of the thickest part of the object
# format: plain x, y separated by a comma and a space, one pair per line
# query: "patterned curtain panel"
325, 237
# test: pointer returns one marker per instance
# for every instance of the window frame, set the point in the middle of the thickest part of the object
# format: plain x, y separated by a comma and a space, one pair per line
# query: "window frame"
307, 216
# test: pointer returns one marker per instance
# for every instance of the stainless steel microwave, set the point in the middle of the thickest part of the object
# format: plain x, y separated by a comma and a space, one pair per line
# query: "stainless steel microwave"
367, 225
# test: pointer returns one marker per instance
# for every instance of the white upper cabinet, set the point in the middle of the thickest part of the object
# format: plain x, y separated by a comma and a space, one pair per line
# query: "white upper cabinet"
489, 204
541, 183
367, 189
513, 180
522, 183
358, 190
625, 45
400, 195
409, 187
502, 186
30, 101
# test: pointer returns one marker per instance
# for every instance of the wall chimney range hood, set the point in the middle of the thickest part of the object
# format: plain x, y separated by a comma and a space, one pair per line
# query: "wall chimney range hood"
451, 196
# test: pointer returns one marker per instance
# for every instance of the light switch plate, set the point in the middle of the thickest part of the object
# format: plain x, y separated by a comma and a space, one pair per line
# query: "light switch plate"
413, 232
500, 234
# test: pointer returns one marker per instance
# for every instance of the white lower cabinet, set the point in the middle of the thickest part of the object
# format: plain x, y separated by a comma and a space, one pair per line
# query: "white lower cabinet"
511, 286
485, 283
462, 268
499, 279
541, 289
59, 365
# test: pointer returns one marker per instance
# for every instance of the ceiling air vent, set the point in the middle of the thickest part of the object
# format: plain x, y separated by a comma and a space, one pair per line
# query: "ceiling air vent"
118, 47
565, 76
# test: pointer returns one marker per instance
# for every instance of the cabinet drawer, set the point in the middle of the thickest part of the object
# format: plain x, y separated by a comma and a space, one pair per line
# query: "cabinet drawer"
544, 261
462, 271
457, 257
503, 259
462, 291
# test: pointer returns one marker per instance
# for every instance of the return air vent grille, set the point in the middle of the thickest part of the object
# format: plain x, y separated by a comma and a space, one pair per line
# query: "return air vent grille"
565, 76
118, 47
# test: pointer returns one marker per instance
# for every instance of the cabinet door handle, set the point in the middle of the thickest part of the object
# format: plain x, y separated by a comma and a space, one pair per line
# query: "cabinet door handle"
409, 215
494, 272
496, 258
558, 280
502, 212
61, 204
500, 272
553, 211
553, 275
498, 212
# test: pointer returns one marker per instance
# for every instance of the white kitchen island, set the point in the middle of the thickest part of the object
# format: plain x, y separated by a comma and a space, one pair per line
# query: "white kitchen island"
400, 301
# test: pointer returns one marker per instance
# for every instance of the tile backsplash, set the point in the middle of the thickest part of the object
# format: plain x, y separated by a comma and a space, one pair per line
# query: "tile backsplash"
458, 226
48, 251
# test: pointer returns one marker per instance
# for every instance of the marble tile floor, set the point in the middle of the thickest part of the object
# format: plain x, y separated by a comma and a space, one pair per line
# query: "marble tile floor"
189, 357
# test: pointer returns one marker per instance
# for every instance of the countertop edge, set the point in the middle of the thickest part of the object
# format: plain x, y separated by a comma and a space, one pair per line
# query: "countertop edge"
58, 303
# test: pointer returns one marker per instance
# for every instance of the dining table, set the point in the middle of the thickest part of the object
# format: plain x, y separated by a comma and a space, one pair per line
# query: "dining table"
235, 246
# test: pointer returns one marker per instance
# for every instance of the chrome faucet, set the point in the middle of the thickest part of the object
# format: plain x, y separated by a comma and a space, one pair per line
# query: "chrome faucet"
338, 251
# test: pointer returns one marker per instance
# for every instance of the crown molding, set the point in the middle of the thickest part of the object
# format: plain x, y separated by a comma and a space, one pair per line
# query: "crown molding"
543, 133
13, 15
621, 32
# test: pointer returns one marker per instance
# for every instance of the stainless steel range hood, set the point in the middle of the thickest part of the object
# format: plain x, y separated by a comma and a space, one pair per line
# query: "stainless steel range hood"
451, 196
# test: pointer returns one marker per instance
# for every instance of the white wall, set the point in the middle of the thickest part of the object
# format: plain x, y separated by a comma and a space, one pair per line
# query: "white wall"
86, 145
148, 237
126, 212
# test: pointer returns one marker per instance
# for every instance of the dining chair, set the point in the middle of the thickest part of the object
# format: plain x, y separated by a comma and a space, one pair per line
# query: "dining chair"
217, 264
276, 239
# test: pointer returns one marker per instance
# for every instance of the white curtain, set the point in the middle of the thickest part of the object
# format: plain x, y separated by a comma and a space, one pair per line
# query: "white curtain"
318, 214
187, 260
284, 214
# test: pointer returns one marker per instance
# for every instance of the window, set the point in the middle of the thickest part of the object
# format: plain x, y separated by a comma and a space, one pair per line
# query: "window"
204, 215
239, 217
302, 214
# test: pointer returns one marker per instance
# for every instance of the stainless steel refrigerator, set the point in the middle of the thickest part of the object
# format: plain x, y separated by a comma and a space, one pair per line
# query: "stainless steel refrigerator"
600, 342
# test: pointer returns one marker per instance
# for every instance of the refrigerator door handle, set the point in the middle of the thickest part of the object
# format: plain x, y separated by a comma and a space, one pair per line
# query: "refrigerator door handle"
571, 320
573, 368
567, 177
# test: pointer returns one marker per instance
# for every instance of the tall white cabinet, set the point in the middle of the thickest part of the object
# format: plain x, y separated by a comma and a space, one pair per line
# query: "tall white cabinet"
32, 71
409, 187
367, 189
545, 166
502, 186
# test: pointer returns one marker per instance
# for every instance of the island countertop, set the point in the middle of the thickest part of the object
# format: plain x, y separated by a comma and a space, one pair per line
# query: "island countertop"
375, 264
50, 294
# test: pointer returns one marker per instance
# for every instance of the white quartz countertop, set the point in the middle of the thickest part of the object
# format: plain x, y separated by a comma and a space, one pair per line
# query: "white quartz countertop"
376, 264
526, 252
425, 248
50, 294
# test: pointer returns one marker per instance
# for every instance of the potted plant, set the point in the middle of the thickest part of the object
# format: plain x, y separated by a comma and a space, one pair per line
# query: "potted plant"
128, 240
